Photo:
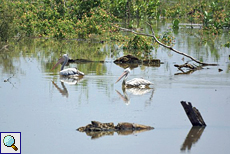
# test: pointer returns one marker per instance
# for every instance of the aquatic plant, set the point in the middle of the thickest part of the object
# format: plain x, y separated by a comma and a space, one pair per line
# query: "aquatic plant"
175, 24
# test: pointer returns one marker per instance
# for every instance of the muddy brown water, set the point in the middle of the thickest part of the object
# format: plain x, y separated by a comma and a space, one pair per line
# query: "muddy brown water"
47, 109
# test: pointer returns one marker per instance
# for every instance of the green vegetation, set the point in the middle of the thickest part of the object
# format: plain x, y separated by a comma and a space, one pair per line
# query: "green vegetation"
86, 19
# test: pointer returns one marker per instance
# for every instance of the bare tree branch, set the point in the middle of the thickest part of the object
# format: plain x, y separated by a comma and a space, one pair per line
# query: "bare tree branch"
169, 47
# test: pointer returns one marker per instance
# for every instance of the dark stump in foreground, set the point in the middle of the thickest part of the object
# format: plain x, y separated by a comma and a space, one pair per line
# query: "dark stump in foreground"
193, 114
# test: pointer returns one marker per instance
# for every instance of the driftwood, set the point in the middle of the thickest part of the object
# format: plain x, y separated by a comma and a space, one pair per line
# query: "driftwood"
98, 126
166, 46
191, 68
127, 59
193, 114
132, 60
97, 129
83, 61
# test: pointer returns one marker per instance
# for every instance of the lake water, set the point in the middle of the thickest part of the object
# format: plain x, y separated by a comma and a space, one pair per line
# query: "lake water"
47, 111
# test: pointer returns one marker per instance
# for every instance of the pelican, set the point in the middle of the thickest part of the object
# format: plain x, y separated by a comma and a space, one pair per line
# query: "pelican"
136, 82
68, 72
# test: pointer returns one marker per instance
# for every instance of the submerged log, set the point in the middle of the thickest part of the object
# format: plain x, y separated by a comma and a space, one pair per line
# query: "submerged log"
193, 114
130, 59
98, 126
97, 129
152, 62
127, 59
78, 61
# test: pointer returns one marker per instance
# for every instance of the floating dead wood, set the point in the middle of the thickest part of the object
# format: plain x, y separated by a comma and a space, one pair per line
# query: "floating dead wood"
193, 114
83, 61
130, 59
98, 126
127, 59
190, 68
97, 129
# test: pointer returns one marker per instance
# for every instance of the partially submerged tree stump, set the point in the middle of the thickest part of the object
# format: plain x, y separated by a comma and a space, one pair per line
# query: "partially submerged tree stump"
127, 59
98, 126
193, 114
97, 129
130, 59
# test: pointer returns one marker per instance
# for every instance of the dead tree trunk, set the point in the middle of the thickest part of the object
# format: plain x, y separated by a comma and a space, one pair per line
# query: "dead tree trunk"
193, 114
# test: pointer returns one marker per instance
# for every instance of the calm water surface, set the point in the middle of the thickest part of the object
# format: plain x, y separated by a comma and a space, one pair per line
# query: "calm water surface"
47, 111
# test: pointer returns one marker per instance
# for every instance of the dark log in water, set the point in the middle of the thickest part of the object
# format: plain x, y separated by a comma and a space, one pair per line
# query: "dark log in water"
193, 114
127, 59
98, 126
130, 59
97, 129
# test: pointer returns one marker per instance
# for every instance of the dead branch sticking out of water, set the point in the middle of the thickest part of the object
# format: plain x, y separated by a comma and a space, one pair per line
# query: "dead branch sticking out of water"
191, 68
8, 79
166, 46
193, 114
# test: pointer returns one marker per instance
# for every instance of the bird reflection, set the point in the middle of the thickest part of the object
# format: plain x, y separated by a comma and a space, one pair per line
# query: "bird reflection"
192, 137
63, 90
134, 91
71, 81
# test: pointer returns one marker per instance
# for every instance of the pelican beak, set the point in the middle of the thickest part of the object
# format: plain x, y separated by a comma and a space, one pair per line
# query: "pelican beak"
59, 61
124, 74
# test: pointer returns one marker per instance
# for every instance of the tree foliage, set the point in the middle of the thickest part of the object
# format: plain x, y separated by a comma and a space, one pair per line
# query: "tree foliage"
82, 18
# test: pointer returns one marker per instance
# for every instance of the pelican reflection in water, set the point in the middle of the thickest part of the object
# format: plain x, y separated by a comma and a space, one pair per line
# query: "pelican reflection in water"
68, 72
137, 92
66, 80
136, 82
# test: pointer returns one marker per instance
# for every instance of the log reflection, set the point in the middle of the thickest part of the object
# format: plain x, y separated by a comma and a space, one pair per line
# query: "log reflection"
98, 134
192, 137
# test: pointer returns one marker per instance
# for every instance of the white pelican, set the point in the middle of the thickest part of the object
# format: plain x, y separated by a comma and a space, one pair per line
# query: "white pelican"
68, 72
136, 82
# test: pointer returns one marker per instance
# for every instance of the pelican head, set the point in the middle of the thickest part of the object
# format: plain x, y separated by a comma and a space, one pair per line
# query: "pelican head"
64, 59
125, 74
